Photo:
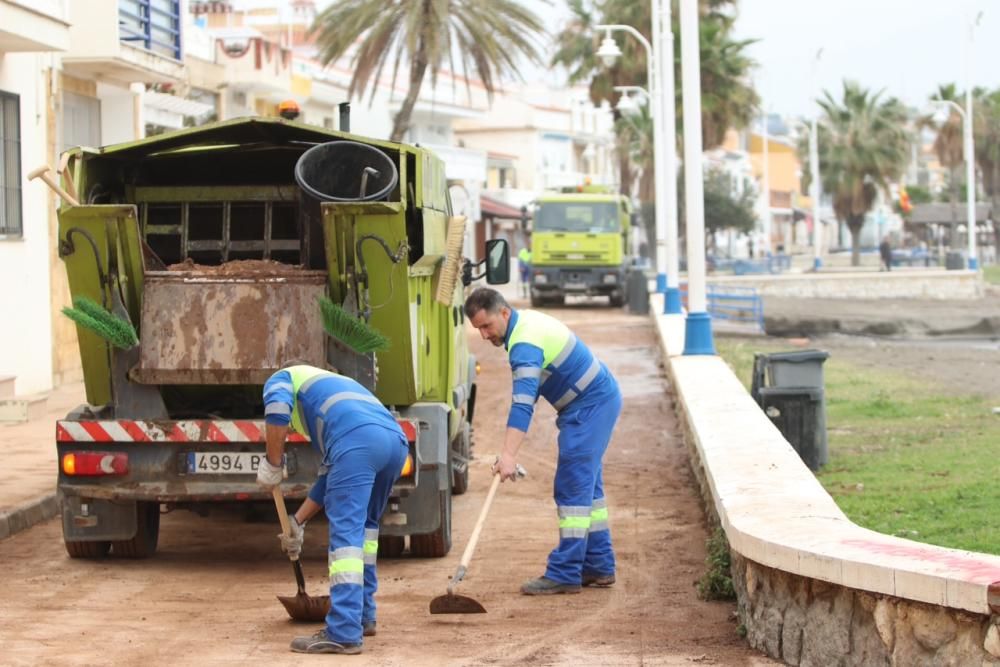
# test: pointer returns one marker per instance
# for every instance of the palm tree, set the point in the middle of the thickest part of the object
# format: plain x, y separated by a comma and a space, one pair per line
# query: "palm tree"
728, 98
948, 141
987, 135
863, 146
487, 37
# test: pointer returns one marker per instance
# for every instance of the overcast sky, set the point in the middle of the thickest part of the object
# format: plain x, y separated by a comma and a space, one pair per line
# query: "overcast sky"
907, 47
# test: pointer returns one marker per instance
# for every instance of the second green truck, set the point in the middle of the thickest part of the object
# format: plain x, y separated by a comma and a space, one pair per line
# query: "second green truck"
580, 242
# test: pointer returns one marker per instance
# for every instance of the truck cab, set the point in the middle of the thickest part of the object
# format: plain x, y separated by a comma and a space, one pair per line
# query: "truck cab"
580, 241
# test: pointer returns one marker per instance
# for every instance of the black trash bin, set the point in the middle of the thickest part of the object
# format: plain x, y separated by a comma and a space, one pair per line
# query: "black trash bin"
797, 412
789, 387
637, 289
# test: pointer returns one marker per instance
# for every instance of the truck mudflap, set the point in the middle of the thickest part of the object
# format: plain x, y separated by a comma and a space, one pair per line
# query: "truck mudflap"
106, 467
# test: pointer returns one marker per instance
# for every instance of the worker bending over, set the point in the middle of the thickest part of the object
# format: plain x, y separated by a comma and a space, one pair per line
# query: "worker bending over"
548, 360
363, 450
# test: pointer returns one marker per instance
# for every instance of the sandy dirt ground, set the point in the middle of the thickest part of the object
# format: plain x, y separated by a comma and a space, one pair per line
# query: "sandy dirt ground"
952, 344
208, 596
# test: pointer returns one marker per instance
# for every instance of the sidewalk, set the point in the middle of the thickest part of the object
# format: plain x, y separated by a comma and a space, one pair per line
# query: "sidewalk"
28, 490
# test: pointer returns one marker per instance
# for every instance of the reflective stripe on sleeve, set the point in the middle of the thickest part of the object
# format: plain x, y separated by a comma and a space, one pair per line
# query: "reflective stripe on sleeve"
277, 409
565, 399
526, 399
280, 385
574, 521
545, 376
527, 372
588, 377
347, 566
599, 515
371, 545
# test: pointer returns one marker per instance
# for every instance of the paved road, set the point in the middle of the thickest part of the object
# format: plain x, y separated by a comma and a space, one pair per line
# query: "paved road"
208, 596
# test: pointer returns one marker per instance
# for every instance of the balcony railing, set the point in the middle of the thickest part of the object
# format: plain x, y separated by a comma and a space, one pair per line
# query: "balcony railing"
153, 24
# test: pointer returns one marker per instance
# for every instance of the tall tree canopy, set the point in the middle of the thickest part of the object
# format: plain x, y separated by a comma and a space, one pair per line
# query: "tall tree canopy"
487, 38
863, 146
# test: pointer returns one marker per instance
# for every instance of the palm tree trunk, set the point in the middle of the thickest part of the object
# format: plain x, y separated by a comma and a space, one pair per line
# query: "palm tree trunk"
401, 123
855, 223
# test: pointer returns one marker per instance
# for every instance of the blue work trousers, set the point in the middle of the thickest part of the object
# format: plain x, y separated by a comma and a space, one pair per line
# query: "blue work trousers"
363, 466
584, 538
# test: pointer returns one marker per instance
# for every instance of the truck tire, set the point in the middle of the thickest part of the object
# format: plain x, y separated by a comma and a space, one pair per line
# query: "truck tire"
438, 543
93, 549
147, 533
617, 299
461, 454
391, 546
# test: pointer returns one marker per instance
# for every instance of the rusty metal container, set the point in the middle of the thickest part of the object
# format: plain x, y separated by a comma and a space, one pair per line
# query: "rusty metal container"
208, 327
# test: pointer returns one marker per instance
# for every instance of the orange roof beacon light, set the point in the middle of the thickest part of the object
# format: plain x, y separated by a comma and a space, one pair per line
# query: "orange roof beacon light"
289, 109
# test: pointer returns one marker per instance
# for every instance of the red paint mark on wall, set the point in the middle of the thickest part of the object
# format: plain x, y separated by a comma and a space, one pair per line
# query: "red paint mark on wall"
975, 570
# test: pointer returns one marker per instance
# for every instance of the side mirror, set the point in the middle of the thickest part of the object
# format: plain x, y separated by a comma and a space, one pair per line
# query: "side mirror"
497, 262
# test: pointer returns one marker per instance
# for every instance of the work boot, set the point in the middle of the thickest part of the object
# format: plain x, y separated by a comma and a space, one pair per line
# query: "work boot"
545, 586
368, 628
320, 643
600, 580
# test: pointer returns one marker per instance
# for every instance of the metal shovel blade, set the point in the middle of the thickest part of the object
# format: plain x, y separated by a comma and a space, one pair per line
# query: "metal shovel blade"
456, 604
302, 607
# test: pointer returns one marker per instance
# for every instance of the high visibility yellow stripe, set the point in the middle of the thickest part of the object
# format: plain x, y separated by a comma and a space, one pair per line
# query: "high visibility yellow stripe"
599, 514
356, 565
371, 546
575, 522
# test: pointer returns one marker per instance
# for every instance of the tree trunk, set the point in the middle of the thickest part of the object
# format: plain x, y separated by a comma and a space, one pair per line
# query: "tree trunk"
953, 194
401, 122
855, 223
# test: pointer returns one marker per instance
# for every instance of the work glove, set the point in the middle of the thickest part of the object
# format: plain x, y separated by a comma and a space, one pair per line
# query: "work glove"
292, 544
269, 476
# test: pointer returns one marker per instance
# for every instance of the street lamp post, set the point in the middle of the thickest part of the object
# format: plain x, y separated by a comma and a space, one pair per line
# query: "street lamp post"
814, 171
660, 75
608, 52
698, 325
968, 152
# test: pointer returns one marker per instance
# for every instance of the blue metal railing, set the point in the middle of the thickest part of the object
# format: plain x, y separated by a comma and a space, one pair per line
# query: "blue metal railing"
731, 303
154, 23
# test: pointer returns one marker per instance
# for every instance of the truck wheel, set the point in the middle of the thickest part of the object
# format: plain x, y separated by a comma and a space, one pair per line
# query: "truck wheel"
617, 300
391, 546
438, 543
94, 549
147, 533
461, 454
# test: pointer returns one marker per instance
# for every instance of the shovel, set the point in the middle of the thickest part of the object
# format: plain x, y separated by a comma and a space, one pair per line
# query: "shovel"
451, 603
302, 607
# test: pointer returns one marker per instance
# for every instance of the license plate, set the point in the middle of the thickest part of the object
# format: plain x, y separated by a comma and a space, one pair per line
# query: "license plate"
227, 463
576, 286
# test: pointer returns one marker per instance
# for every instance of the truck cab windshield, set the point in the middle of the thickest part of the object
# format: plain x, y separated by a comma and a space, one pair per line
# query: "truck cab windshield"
589, 217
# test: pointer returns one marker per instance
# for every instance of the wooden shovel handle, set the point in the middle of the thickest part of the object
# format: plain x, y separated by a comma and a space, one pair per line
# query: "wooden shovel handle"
471, 546
279, 504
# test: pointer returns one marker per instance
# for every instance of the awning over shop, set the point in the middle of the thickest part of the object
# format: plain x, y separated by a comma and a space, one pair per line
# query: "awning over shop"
491, 208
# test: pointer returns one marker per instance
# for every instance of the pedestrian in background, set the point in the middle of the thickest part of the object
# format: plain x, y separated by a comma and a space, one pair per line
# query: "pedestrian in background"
885, 252
548, 360
524, 269
363, 450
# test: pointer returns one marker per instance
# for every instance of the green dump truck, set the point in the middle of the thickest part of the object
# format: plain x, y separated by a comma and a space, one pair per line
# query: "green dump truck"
221, 247
580, 245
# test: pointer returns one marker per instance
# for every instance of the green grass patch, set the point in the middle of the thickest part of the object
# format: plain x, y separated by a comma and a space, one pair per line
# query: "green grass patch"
992, 274
906, 458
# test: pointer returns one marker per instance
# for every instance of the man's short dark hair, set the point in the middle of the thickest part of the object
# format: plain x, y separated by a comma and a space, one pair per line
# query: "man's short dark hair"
484, 298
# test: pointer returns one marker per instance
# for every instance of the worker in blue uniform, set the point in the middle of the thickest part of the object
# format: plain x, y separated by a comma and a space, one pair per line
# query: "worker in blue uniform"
363, 450
548, 360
